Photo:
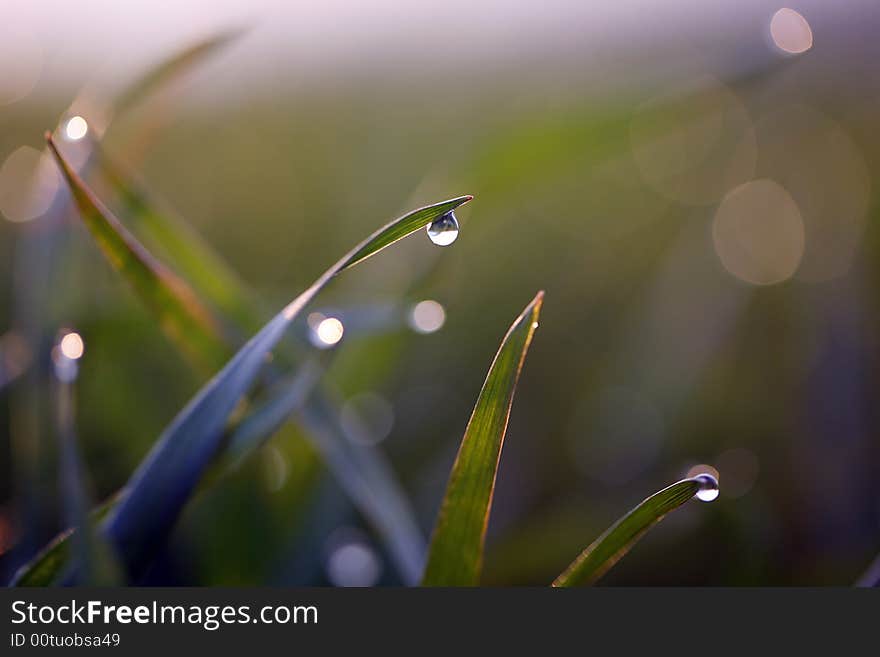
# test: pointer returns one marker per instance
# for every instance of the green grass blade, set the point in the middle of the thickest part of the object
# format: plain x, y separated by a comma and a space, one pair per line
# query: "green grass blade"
171, 68
93, 559
455, 554
46, 567
181, 314
197, 262
367, 479
618, 539
362, 473
286, 397
195, 259
168, 475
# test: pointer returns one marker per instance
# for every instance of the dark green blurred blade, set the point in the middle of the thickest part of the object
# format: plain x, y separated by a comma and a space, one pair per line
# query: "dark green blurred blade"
455, 555
93, 559
221, 287
48, 564
171, 68
286, 397
618, 539
365, 475
197, 262
166, 478
179, 311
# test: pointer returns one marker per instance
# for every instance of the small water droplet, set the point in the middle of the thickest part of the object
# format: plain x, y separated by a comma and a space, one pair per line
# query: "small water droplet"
443, 231
708, 490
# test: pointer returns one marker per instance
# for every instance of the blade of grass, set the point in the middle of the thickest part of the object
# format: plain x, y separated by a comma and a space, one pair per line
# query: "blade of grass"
407, 532
384, 504
173, 67
94, 562
179, 311
35, 276
365, 475
166, 478
618, 539
200, 265
455, 554
45, 568
286, 397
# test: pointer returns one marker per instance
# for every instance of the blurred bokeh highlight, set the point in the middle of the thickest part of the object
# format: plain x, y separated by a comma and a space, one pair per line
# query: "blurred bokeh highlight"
694, 184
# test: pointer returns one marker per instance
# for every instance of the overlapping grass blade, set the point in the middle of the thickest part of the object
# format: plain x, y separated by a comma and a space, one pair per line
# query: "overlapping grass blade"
618, 539
233, 299
180, 312
287, 396
364, 474
197, 262
45, 568
165, 479
455, 554
173, 67
94, 562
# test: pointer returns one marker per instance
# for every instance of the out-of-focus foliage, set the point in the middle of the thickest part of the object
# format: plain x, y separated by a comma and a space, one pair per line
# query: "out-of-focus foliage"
674, 338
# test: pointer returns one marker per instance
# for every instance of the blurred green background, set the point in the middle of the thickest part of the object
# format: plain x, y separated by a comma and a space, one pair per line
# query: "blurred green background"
699, 204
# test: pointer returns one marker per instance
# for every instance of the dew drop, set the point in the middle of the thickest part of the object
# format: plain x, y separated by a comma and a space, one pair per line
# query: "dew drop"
708, 490
444, 231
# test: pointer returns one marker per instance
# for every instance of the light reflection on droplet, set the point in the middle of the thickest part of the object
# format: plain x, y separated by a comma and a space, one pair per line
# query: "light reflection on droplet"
758, 233
791, 32
367, 418
351, 561
325, 331
702, 468
29, 181
76, 128
443, 231
709, 489
427, 316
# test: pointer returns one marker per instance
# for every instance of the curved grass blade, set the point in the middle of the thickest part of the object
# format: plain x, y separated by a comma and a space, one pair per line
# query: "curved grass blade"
200, 265
171, 68
618, 539
196, 258
94, 562
365, 475
180, 312
286, 397
46, 567
455, 554
167, 476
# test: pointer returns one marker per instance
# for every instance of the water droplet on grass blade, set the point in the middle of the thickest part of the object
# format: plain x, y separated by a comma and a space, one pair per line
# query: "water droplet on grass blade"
708, 490
443, 231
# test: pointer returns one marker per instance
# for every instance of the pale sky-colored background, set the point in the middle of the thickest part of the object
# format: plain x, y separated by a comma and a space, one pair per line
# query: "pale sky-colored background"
104, 41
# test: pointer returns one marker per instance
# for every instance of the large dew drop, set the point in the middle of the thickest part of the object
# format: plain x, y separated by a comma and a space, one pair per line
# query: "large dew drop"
708, 490
444, 231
